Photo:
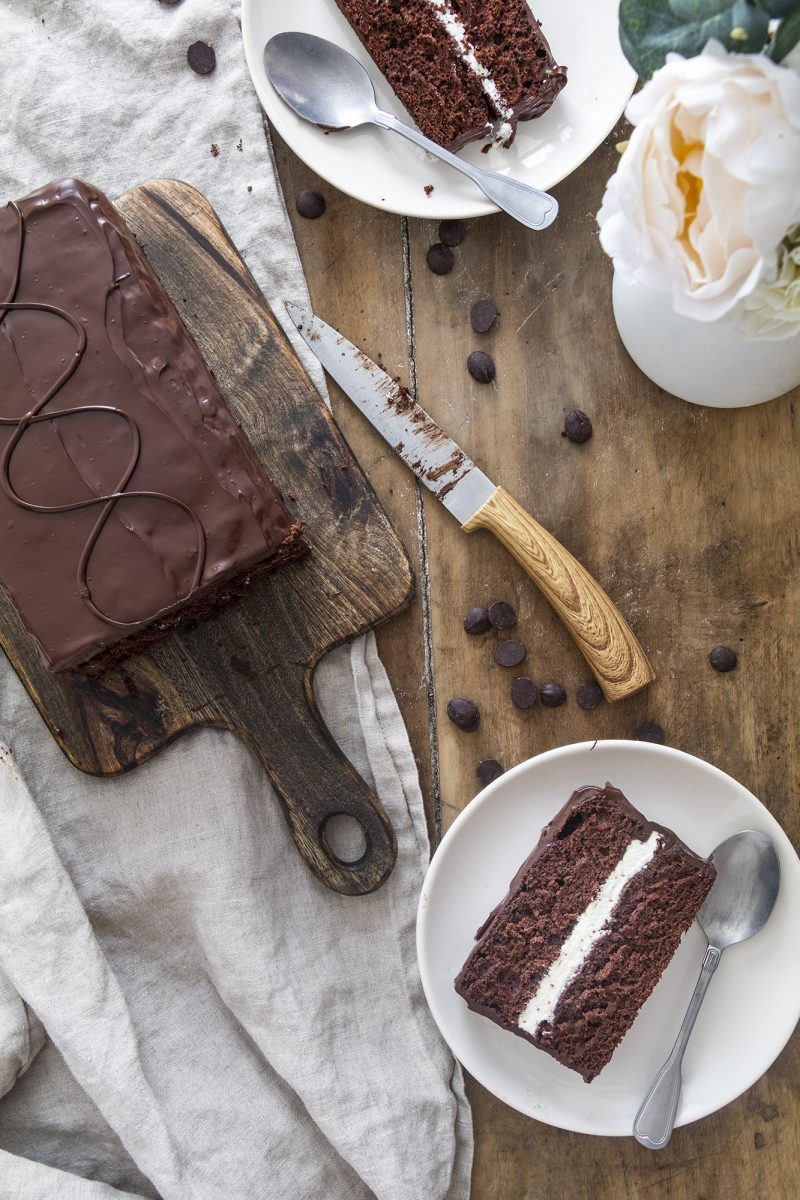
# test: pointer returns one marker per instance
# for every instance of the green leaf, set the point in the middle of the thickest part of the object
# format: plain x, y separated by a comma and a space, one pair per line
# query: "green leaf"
780, 8
786, 38
698, 10
649, 29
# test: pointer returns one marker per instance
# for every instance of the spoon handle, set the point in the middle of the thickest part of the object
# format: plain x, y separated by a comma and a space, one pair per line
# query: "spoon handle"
656, 1117
526, 204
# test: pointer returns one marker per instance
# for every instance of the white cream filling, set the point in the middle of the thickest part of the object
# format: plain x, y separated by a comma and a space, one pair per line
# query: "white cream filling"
588, 929
455, 29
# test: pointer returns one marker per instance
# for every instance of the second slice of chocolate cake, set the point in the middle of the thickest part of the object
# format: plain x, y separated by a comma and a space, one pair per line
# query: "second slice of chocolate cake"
130, 499
464, 69
589, 925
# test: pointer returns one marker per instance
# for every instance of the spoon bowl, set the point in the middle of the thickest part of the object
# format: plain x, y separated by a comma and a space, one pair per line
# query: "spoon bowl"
320, 81
745, 890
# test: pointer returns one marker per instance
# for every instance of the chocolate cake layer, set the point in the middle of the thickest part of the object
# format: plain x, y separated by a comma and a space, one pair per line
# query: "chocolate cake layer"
590, 922
130, 499
464, 70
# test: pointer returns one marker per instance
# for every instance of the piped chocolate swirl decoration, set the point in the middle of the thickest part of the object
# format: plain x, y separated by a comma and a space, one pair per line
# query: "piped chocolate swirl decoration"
108, 501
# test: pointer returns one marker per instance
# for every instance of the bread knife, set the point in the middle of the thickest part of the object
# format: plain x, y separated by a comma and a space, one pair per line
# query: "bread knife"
599, 629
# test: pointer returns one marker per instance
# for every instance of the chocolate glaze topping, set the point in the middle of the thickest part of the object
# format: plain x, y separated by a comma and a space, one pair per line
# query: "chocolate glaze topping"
126, 486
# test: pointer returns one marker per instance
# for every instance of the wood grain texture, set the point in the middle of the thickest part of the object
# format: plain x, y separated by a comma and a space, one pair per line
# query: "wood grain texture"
689, 519
250, 669
599, 629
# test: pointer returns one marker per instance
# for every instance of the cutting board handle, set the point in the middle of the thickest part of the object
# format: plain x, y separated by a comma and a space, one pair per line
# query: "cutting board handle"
307, 754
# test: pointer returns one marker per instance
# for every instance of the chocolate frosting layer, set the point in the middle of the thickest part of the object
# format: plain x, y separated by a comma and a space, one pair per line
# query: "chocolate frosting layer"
127, 488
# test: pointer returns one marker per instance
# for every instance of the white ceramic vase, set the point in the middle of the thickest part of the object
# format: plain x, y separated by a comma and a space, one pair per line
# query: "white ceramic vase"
704, 362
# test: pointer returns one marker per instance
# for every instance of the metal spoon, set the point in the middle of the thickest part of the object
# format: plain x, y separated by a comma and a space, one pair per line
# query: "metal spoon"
738, 905
329, 87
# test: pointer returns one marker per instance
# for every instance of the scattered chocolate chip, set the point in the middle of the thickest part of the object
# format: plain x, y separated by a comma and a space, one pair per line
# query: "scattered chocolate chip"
483, 315
650, 732
589, 694
553, 695
502, 615
201, 58
510, 653
523, 692
722, 658
249, 187
477, 621
310, 204
452, 233
488, 770
577, 426
428, 188
214, 150
464, 714
440, 259
481, 366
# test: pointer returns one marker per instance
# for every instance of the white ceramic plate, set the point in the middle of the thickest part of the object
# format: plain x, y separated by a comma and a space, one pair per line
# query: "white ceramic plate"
383, 170
753, 1003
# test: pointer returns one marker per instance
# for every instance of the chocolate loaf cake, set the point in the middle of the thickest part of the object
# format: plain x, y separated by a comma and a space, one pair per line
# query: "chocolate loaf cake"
130, 499
464, 69
590, 923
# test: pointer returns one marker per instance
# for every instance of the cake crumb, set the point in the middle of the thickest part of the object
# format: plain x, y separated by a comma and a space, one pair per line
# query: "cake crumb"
291, 496
428, 188
239, 145
249, 187
214, 150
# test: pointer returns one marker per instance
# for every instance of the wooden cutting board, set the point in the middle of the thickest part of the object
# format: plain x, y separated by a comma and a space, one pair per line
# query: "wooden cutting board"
250, 669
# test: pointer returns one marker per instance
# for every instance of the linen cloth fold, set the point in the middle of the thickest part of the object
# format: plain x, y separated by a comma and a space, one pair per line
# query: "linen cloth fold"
184, 1010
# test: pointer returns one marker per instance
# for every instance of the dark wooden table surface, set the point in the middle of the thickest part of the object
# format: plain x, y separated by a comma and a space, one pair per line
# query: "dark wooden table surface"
689, 517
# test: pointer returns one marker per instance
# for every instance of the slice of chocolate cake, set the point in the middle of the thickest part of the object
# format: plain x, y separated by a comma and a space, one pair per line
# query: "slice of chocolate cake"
590, 923
130, 499
464, 69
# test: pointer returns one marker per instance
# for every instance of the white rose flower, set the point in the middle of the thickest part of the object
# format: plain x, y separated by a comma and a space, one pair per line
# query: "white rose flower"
710, 180
773, 309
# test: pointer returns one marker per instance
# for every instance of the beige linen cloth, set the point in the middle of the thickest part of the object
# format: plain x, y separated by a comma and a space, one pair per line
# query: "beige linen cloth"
184, 1010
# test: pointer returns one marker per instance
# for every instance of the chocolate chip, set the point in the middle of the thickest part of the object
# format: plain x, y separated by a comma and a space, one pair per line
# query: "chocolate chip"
452, 233
481, 366
310, 204
477, 621
483, 315
440, 259
428, 188
577, 426
201, 58
464, 714
553, 695
510, 653
523, 692
488, 770
722, 658
589, 694
502, 615
650, 732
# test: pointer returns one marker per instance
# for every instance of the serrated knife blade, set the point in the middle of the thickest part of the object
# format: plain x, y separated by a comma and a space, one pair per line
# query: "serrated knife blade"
605, 640
436, 460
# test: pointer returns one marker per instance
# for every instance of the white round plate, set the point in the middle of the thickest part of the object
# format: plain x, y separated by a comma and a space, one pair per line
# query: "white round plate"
753, 1003
387, 172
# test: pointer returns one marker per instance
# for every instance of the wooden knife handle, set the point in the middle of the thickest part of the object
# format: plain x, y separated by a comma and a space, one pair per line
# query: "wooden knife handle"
603, 637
